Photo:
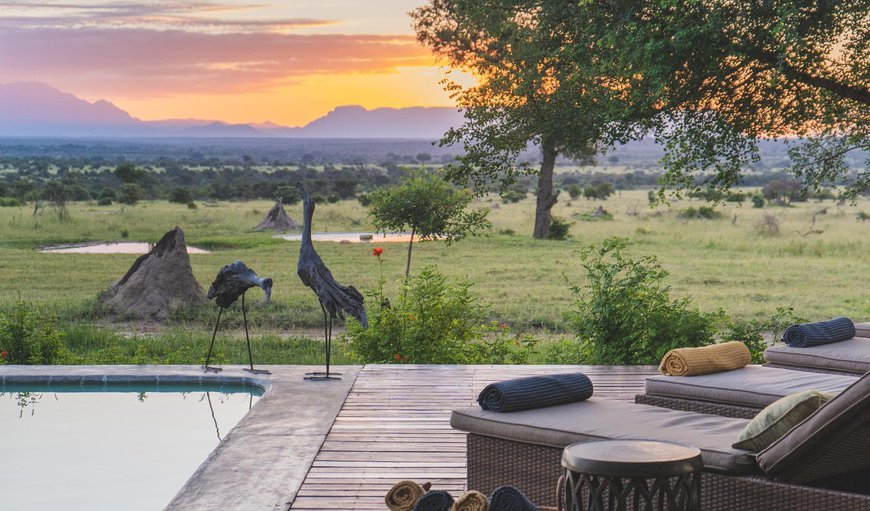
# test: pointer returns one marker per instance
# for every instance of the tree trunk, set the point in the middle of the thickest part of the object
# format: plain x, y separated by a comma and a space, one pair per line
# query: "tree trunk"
546, 197
410, 246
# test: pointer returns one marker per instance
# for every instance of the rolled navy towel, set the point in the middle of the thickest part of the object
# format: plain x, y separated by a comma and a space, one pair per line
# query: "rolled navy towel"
535, 392
508, 498
816, 334
435, 501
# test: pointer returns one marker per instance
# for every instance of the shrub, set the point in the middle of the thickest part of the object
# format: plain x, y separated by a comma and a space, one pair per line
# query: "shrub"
574, 191
863, 216
9, 202
767, 226
703, 212
598, 190
513, 196
432, 321
559, 229
29, 336
130, 193
757, 200
180, 195
104, 201
625, 314
108, 193
365, 200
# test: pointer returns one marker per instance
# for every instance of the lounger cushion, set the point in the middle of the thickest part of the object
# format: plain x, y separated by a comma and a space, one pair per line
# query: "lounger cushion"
832, 441
595, 419
852, 355
862, 329
779, 417
754, 386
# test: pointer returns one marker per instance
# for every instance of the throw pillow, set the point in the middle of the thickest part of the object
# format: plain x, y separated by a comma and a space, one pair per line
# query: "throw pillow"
778, 418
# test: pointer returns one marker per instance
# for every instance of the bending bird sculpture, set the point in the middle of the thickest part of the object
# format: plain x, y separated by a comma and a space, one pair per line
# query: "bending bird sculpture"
335, 299
232, 281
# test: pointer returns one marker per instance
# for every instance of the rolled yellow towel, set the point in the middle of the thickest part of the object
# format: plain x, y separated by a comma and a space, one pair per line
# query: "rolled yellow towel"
708, 359
471, 501
404, 495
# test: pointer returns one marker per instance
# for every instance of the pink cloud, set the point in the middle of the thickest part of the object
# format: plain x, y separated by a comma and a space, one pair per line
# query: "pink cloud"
143, 63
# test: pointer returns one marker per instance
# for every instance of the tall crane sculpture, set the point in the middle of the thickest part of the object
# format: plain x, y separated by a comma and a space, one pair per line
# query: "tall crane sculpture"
335, 299
232, 281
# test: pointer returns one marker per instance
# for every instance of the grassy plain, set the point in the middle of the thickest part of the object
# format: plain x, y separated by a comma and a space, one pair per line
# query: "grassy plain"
721, 263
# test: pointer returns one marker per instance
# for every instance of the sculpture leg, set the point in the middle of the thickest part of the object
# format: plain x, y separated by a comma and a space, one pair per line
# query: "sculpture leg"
327, 335
248, 339
206, 367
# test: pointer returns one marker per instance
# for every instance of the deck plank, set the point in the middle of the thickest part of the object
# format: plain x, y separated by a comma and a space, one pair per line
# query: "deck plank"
395, 425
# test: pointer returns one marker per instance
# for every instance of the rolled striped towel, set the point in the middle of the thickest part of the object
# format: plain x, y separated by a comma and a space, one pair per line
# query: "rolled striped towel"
714, 358
471, 501
508, 498
816, 334
435, 501
404, 495
535, 392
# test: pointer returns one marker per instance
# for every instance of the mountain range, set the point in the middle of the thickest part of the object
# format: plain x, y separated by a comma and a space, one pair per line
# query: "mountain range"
33, 109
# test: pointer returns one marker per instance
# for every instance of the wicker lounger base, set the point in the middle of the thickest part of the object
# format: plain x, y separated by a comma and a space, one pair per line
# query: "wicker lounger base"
694, 405
813, 369
535, 469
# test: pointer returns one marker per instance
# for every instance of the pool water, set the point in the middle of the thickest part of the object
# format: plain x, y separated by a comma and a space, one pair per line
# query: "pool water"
131, 448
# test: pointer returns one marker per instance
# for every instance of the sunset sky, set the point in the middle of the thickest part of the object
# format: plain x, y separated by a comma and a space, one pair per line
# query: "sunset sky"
287, 61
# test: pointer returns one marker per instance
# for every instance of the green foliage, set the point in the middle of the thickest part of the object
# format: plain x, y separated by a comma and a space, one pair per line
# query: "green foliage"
433, 321
560, 229
786, 190
429, 207
702, 212
863, 216
9, 202
599, 190
30, 336
757, 200
129, 173
751, 332
574, 191
108, 193
180, 195
131, 193
625, 315
512, 196
104, 201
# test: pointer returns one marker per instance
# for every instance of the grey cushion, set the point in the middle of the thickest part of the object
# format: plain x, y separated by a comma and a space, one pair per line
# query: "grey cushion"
755, 386
852, 355
832, 441
559, 426
862, 329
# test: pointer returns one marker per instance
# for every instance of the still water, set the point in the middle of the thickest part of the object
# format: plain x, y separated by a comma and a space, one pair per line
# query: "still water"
131, 448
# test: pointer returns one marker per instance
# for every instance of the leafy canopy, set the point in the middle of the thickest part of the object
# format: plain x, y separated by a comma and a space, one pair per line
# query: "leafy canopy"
429, 207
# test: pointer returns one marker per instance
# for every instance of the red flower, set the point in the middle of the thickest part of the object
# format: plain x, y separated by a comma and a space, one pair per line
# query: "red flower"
3, 354
377, 251
398, 357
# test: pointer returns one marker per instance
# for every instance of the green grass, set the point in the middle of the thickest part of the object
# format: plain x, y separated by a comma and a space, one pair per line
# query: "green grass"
717, 263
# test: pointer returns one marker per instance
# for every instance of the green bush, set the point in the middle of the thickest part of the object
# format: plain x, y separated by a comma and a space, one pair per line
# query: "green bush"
513, 196
180, 195
757, 200
574, 191
704, 212
130, 194
28, 336
559, 229
432, 321
104, 201
625, 314
9, 202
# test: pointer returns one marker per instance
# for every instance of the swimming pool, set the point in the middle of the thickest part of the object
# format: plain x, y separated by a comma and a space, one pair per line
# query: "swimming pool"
109, 447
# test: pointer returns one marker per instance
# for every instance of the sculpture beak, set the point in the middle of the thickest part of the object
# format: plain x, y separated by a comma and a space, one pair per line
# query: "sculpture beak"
267, 287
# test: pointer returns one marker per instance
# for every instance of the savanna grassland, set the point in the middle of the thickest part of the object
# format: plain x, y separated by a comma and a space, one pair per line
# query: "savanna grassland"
817, 264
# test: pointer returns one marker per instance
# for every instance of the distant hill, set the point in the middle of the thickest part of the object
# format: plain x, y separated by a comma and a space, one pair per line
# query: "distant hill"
36, 109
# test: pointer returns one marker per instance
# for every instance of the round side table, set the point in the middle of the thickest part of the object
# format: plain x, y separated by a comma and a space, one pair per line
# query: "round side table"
632, 474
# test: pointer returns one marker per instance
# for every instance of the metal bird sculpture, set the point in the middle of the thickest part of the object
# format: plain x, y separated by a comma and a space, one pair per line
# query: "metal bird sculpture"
335, 299
232, 281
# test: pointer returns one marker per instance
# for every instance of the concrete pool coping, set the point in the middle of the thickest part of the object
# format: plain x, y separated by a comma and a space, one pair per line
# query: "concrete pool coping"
263, 460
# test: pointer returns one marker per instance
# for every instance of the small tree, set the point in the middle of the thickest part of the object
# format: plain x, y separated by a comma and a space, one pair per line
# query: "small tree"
428, 206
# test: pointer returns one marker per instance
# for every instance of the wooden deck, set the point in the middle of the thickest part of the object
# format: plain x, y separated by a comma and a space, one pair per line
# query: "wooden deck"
395, 425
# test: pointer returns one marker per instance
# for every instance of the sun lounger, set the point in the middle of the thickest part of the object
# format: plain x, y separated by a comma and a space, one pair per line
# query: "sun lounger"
796, 472
738, 393
845, 357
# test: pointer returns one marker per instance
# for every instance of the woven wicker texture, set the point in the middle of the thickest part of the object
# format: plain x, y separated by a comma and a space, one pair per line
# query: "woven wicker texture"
535, 469
693, 405
708, 359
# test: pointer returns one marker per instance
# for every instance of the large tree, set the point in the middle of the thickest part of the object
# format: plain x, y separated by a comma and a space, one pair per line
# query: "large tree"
723, 75
526, 92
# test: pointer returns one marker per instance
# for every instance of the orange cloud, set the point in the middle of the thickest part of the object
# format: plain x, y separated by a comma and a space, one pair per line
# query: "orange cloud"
143, 63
